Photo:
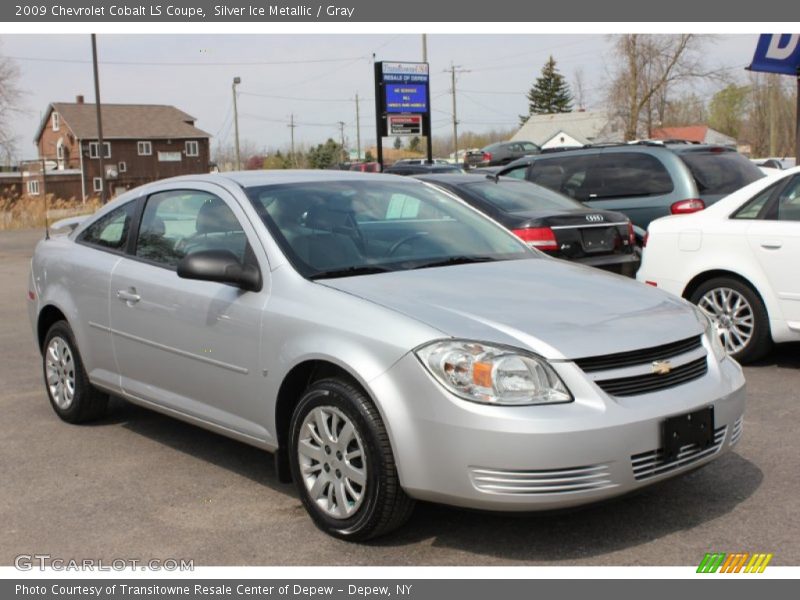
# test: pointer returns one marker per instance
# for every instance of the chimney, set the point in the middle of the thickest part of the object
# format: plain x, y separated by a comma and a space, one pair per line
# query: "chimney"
79, 99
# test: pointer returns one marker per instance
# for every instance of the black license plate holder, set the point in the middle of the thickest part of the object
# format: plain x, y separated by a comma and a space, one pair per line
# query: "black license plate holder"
598, 239
696, 427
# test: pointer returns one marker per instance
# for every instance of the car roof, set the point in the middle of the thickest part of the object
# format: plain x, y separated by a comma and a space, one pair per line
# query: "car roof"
459, 178
283, 176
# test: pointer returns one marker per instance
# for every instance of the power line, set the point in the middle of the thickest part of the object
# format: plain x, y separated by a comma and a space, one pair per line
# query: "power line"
136, 63
299, 98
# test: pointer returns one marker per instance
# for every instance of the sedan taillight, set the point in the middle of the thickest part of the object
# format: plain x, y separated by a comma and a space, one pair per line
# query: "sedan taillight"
487, 156
684, 207
541, 238
631, 234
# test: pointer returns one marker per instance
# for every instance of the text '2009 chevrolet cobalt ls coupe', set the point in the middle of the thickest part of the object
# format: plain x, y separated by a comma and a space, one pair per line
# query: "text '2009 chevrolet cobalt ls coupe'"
385, 340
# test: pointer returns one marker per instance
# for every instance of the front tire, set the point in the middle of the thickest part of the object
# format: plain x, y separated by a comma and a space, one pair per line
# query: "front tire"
739, 315
342, 463
71, 395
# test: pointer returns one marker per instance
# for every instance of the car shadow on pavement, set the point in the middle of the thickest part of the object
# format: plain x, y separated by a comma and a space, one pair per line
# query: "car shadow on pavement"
242, 459
674, 505
785, 356
677, 504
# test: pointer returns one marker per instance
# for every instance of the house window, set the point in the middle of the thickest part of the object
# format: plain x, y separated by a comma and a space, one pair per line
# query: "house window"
97, 184
60, 151
144, 148
56, 121
122, 167
33, 187
192, 148
94, 150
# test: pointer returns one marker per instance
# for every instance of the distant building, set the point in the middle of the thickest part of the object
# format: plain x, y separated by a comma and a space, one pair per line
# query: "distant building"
142, 143
702, 134
571, 129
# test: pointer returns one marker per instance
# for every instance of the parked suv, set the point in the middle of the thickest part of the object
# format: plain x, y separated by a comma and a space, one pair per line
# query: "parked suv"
502, 153
644, 181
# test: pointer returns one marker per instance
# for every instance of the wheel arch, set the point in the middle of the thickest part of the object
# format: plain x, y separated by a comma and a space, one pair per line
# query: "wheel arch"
701, 278
294, 383
48, 316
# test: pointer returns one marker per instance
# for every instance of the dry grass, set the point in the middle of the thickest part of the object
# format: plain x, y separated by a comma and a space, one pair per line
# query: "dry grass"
28, 212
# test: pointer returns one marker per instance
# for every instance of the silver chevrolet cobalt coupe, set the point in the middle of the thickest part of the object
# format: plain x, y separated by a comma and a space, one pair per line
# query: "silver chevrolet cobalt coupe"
384, 340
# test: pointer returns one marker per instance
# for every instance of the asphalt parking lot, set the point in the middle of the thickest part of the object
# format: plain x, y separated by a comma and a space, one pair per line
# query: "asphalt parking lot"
141, 485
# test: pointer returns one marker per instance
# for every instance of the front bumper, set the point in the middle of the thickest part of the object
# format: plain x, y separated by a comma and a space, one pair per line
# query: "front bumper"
543, 457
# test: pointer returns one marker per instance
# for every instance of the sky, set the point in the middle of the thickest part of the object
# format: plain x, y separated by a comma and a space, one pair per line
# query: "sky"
314, 77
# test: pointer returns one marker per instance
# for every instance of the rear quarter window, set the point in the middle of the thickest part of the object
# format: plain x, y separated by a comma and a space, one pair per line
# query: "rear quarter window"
720, 172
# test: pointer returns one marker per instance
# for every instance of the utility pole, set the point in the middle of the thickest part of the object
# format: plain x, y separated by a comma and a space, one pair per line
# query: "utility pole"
358, 132
424, 47
341, 132
236, 81
453, 70
100, 144
291, 127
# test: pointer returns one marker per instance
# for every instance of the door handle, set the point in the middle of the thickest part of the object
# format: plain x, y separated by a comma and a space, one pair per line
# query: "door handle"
129, 296
771, 244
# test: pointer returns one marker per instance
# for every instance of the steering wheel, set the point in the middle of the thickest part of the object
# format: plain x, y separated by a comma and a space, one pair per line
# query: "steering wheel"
357, 234
405, 240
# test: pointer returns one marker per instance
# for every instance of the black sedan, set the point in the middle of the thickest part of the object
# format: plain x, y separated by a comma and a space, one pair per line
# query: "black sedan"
549, 221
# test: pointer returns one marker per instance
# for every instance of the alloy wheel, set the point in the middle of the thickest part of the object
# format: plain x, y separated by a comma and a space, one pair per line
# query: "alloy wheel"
60, 372
732, 315
332, 462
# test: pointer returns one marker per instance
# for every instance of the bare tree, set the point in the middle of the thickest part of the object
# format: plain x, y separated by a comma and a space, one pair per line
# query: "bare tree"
10, 95
769, 123
579, 88
651, 67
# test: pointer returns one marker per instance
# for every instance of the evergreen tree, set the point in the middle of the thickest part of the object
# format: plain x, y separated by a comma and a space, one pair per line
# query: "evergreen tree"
398, 143
550, 93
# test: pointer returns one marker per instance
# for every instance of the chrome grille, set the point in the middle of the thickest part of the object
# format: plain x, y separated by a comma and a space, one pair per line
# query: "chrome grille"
642, 356
549, 481
736, 432
652, 463
653, 382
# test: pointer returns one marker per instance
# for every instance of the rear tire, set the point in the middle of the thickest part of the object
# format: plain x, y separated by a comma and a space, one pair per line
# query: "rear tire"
739, 314
72, 397
342, 463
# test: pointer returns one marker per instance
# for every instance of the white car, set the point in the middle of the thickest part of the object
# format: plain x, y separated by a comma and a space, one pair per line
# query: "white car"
737, 260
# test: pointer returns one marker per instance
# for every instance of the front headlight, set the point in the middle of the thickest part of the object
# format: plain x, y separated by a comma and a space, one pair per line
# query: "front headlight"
493, 374
712, 334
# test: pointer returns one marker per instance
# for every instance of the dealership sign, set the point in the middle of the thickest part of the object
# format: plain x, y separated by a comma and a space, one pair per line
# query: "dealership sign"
402, 102
405, 124
777, 53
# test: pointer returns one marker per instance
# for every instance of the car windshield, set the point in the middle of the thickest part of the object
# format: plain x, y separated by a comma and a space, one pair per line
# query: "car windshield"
720, 172
353, 227
518, 196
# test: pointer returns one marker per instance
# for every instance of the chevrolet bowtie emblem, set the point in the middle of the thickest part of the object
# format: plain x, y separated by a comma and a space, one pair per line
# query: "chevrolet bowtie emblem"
661, 367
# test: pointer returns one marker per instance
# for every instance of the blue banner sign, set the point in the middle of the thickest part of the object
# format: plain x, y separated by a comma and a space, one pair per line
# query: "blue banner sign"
406, 98
406, 87
777, 53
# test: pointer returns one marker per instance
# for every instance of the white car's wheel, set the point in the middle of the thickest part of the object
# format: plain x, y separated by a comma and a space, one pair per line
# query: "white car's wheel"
739, 315
342, 463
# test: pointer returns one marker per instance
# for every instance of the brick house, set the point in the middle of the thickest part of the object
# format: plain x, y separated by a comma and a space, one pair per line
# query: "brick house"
142, 143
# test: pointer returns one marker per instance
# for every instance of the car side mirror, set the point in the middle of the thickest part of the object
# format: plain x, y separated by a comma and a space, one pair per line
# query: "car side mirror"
221, 266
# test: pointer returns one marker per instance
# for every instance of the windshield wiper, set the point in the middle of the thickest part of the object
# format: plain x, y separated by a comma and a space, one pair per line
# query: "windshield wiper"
349, 272
455, 260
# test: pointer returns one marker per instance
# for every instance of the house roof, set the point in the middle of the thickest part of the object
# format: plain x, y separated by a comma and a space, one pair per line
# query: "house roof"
125, 121
585, 126
693, 133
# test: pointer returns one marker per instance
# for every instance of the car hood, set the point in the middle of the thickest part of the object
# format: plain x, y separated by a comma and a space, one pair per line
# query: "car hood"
554, 308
